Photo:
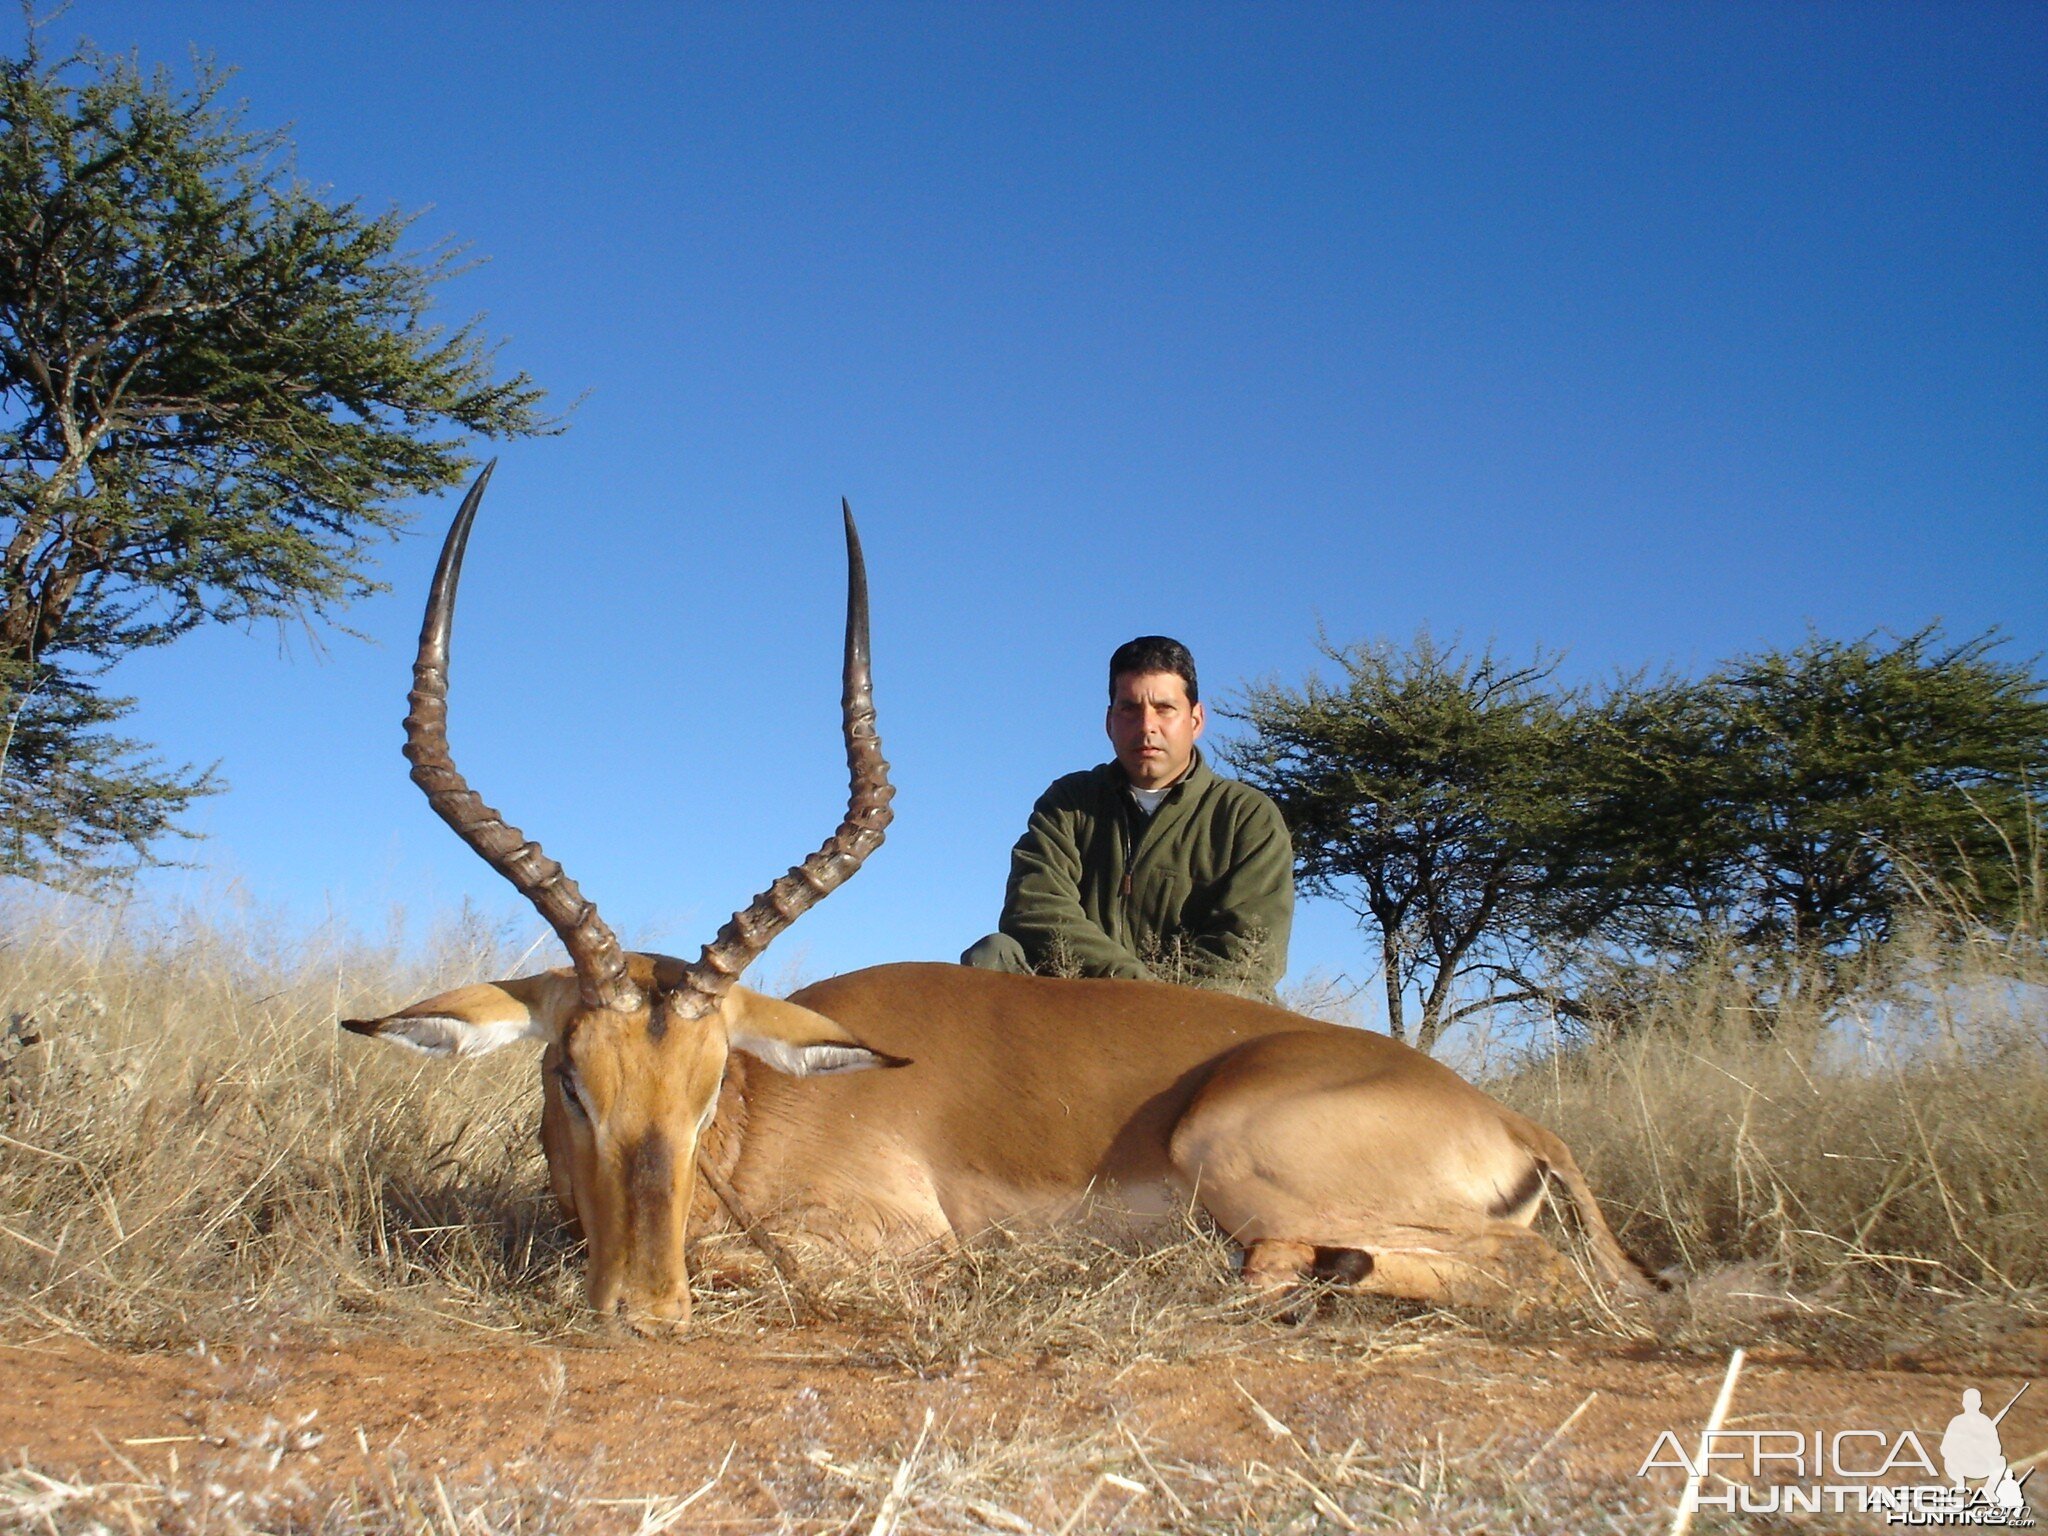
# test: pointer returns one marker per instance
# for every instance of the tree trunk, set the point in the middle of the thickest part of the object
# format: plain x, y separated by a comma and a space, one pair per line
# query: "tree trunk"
1390, 970
1437, 1001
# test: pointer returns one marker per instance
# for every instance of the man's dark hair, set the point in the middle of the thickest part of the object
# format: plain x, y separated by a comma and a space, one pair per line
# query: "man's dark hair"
1154, 653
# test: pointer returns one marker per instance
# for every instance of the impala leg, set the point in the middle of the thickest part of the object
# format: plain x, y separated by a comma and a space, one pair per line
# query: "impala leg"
1500, 1266
1392, 1186
1274, 1265
726, 1261
1482, 1269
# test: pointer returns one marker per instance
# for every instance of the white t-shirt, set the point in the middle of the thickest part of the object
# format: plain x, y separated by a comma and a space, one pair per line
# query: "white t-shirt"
1148, 799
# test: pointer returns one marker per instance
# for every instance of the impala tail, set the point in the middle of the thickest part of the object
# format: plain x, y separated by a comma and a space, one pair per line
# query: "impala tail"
1609, 1257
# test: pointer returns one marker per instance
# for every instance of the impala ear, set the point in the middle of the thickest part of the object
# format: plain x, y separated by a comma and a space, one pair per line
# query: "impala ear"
791, 1038
476, 1020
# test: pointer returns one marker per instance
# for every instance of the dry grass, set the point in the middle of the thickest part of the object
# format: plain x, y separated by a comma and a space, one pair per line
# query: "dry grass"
268, 1485
1112, 1479
1037, 1479
1884, 1165
193, 1149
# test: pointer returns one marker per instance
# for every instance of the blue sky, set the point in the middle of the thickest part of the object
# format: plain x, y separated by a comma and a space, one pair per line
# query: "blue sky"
1649, 333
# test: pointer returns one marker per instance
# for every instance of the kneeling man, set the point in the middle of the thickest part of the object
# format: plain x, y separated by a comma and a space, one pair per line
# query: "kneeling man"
1151, 865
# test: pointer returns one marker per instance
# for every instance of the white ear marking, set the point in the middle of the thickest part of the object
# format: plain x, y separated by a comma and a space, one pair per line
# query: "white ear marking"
823, 1059
437, 1034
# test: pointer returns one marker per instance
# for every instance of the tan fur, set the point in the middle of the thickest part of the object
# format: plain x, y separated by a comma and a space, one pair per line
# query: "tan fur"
1027, 1096
1022, 1099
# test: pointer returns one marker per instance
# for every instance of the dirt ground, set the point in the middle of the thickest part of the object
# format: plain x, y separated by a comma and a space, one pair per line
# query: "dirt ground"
799, 1427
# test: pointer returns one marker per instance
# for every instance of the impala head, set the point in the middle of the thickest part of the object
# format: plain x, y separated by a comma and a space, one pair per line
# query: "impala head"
637, 1044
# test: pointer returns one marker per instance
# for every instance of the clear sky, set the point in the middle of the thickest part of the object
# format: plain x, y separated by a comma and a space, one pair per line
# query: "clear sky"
1649, 332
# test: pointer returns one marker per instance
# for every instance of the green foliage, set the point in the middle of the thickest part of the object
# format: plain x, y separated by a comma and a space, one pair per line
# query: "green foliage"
1844, 764
215, 389
1510, 841
1430, 792
73, 797
1796, 804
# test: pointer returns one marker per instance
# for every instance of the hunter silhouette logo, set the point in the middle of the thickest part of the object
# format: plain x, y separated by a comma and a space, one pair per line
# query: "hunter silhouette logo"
1970, 1448
1858, 1470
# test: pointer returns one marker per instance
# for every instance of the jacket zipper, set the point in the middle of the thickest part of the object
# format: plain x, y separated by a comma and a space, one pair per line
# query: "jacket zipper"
1130, 852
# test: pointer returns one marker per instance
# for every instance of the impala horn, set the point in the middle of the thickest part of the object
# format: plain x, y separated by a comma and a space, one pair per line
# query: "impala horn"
600, 962
754, 927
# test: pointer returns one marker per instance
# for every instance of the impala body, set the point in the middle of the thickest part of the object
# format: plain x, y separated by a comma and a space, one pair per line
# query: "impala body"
910, 1106
1026, 1099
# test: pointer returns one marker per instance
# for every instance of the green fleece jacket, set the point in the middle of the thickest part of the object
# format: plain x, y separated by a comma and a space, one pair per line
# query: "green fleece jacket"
1200, 891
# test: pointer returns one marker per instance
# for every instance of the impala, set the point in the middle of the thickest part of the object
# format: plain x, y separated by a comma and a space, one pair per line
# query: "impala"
908, 1107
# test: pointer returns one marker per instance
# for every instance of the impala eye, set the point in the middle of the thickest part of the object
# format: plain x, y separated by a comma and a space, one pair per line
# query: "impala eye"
566, 1076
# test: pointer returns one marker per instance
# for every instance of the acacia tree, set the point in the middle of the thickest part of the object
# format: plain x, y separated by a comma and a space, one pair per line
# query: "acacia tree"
216, 387
1797, 802
1430, 792
1849, 771
1511, 842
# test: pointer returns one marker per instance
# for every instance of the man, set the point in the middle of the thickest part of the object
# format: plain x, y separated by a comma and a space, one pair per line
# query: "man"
1151, 865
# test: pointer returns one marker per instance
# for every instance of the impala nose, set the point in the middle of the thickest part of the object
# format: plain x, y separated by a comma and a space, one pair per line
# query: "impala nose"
646, 1304
656, 1288
659, 1318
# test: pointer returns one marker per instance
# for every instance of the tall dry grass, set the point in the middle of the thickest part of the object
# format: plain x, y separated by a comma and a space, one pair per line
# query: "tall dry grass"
192, 1148
1878, 1163
188, 1144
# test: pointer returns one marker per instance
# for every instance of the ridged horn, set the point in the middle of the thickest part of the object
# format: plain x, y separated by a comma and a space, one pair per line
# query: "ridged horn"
600, 962
754, 927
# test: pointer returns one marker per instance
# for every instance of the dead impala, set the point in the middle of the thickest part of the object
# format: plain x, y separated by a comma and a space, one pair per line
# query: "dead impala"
1001, 1099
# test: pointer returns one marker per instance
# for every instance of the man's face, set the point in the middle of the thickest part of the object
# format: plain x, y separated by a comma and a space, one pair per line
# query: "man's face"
1153, 727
